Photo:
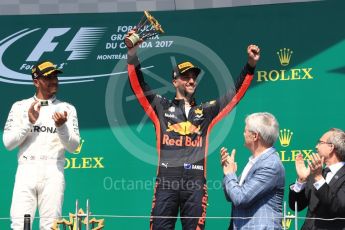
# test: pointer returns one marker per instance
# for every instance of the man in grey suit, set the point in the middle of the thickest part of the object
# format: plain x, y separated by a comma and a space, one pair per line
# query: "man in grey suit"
257, 195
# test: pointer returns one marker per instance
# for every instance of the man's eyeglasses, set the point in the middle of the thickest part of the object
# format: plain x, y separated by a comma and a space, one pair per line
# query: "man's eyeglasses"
319, 142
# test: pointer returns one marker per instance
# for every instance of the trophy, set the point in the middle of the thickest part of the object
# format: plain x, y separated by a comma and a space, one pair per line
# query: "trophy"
146, 28
79, 220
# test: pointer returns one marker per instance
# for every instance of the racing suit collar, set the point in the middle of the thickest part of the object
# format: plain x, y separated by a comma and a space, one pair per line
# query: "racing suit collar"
50, 100
180, 102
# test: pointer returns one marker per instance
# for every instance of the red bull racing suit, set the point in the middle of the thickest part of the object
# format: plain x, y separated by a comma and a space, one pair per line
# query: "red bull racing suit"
182, 143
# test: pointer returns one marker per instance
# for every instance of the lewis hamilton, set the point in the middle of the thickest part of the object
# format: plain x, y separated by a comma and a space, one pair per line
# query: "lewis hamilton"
43, 128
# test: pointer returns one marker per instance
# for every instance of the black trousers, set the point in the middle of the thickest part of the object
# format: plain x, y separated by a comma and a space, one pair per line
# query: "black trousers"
187, 195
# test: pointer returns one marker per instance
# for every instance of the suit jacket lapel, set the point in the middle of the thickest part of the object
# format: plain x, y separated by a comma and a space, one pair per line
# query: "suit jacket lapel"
258, 163
339, 176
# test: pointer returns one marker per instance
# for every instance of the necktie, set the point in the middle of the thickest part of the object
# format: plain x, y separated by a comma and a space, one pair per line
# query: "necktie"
325, 171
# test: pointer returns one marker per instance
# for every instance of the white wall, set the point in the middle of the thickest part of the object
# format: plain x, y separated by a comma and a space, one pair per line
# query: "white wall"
14, 7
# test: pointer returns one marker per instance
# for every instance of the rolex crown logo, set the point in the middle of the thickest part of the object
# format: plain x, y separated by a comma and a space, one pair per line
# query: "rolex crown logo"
286, 223
284, 56
285, 136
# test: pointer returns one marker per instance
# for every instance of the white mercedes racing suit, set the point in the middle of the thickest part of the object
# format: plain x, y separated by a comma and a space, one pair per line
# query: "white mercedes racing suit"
40, 174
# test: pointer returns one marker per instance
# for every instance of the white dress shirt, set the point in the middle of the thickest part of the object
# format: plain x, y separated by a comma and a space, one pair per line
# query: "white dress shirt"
251, 162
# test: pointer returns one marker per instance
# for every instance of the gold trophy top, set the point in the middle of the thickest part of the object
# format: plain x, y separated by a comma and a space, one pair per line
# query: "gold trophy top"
154, 22
146, 28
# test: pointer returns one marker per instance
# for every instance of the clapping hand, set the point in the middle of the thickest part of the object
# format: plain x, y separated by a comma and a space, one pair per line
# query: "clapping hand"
34, 112
315, 166
228, 162
60, 118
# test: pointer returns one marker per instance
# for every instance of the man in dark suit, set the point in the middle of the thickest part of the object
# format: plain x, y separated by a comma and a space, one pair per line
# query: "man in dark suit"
322, 190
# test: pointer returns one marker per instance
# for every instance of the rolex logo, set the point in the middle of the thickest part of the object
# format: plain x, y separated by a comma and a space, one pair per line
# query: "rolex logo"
78, 150
285, 74
286, 223
285, 136
284, 56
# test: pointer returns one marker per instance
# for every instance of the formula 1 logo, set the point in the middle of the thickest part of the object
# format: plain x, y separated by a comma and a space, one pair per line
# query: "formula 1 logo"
79, 48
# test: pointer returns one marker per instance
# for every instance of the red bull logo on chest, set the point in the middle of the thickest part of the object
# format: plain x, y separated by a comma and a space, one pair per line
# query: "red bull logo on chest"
184, 128
182, 141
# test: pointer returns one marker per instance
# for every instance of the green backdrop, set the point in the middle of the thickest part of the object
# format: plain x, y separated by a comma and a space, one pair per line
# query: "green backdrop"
115, 168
